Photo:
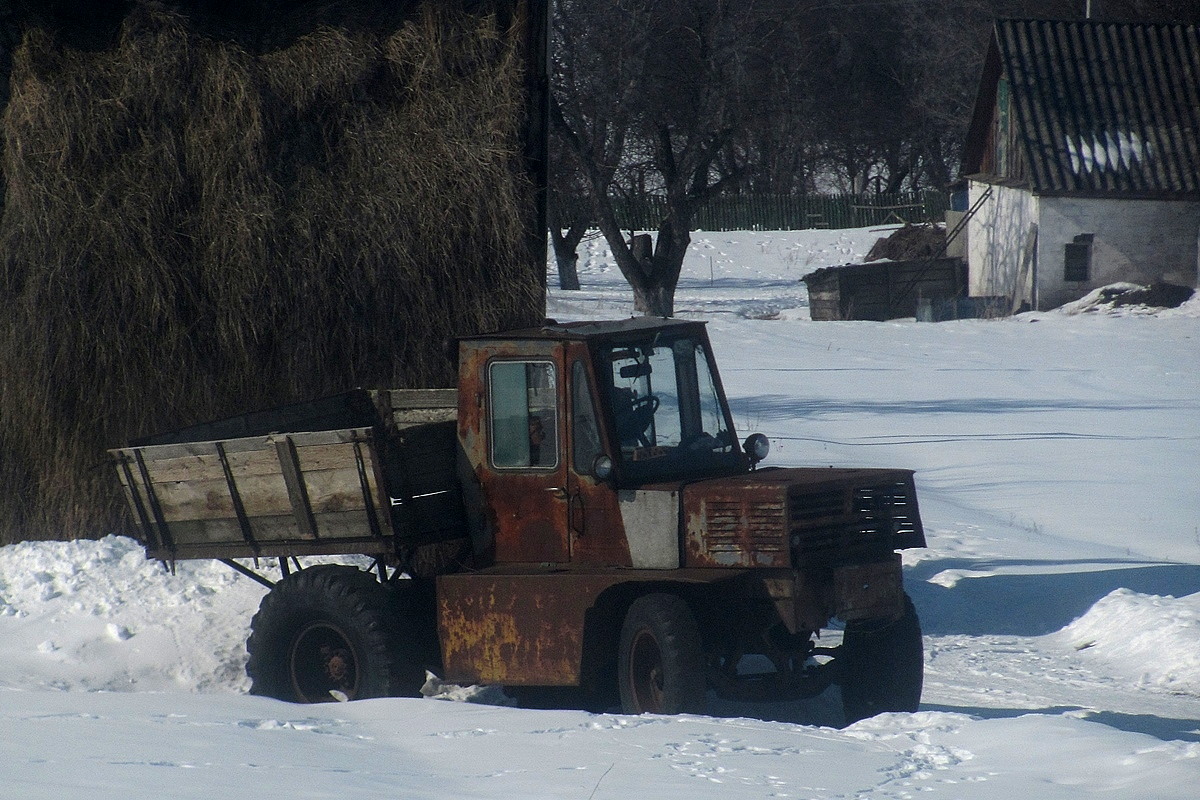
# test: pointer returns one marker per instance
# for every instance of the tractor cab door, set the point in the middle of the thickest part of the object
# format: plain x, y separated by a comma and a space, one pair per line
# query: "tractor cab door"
523, 473
596, 527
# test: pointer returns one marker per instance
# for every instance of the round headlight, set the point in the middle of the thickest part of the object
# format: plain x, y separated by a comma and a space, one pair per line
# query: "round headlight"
757, 447
602, 467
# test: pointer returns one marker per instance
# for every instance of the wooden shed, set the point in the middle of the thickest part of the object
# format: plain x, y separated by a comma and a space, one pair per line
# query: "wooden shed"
883, 290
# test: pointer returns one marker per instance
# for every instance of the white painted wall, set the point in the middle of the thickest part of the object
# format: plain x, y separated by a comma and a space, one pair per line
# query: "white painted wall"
1140, 241
996, 238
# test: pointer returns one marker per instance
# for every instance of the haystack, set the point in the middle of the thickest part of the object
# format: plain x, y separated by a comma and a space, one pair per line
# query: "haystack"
201, 219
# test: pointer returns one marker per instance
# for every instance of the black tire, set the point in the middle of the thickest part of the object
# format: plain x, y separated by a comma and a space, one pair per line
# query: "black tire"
883, 666
660, 666
329, 633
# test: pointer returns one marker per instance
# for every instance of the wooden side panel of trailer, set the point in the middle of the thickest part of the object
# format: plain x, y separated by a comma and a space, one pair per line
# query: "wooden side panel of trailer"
284, 494
384, 478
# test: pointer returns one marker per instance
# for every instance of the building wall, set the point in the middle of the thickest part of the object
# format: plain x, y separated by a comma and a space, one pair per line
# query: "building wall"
996, 240
1139, 241
958, 247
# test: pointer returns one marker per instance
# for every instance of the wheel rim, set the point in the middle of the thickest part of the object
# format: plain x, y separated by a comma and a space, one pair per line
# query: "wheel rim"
646, 673
323, 663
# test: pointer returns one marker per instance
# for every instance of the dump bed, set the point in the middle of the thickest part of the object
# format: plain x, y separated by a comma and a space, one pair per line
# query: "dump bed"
366, 471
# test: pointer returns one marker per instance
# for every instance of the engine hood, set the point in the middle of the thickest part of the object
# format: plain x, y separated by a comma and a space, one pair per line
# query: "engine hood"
798, 517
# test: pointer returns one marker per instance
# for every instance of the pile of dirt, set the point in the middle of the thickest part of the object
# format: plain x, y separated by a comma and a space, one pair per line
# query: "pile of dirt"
1156, 295
910, 243
1130, 298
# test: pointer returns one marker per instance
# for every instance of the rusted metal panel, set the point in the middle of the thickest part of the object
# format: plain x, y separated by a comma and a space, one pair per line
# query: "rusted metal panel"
527, 628
518, 630
595, 521
802, 602
846, 516
524, 510
597, 530
869, 591
807, 518
737, 522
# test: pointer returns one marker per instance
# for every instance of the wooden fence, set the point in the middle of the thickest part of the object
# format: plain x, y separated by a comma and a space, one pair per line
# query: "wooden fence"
790, 212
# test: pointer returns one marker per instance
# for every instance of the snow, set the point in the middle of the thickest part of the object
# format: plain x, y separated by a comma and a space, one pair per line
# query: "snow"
1060, 594
1108, 150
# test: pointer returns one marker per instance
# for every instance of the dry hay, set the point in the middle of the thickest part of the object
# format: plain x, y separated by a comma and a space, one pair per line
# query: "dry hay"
193, 229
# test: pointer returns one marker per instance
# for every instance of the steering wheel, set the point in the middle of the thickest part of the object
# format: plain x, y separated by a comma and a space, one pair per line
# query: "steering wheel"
633, 421
698, 442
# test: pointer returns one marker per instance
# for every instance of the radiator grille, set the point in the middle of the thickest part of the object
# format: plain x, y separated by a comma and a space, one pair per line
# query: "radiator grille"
735, 527
854, 522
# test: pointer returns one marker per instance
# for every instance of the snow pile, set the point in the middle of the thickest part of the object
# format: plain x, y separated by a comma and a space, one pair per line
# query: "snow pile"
96, 615
1131, 299
1189, 309
1151, 639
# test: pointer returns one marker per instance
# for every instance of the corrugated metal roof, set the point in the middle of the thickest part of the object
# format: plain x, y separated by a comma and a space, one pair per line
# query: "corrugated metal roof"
1105, 107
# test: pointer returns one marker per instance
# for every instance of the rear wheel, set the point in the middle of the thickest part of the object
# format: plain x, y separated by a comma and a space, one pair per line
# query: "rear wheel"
330, 633
883, 664
660, 667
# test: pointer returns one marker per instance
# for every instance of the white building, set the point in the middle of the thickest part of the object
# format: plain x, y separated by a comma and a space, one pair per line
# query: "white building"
1083, 160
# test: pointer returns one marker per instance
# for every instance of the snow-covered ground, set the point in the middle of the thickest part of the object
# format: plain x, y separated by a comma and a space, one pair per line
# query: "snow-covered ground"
1056, 459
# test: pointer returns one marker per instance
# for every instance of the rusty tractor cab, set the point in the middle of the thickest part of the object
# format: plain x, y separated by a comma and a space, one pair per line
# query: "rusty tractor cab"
627, 533
579, 513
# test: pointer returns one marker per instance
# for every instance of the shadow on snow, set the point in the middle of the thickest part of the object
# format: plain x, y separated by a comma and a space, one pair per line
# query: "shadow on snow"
1167, 729
1032, 604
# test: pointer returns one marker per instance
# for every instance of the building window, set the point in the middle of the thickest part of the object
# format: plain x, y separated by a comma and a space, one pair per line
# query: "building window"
524, 415
1003, 132
1077, 259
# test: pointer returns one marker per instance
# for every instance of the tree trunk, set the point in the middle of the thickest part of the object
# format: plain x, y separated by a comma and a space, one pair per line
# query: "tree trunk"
657, 274
657, 300
566, 256
568, 271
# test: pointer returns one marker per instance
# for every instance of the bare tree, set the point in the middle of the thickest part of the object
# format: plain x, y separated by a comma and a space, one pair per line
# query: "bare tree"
568, 210
686, 98
654, 91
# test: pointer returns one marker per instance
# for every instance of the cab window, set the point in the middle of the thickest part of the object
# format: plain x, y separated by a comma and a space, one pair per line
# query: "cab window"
668, 417
523, 414
585, 429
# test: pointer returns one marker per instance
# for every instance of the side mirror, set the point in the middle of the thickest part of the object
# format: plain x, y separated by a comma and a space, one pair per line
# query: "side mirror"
756, 447
602, 467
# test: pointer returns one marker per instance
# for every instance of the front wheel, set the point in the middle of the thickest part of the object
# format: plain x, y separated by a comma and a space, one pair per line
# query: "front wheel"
883, 665
660, 667
329, 633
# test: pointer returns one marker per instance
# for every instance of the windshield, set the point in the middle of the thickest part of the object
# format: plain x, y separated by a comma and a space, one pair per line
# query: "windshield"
668, 416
